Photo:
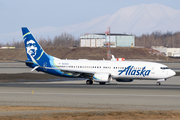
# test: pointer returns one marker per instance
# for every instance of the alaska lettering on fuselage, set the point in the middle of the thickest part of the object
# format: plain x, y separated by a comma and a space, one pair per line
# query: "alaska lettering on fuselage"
130, 71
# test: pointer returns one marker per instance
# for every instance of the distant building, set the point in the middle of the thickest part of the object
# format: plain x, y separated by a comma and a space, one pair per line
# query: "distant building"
101, 40
170, 52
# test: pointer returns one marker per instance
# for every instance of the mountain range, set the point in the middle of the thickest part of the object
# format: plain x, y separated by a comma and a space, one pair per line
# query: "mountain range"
137, 20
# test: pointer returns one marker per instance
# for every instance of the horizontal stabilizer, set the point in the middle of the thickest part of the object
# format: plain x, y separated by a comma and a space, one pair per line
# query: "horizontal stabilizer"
34, 68
18, 60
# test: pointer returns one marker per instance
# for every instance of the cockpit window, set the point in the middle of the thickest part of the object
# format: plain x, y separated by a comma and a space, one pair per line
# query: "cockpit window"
163, 68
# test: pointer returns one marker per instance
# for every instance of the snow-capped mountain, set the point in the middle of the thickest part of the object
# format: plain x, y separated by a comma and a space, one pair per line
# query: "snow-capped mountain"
139, 19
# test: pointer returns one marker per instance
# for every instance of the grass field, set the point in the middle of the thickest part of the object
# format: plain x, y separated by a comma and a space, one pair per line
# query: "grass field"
88, 53
55, 113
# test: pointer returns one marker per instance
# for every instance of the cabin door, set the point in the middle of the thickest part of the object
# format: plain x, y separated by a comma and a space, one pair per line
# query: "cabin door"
153, 70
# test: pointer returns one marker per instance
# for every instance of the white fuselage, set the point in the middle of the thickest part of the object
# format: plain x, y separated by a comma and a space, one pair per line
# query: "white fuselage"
118, 69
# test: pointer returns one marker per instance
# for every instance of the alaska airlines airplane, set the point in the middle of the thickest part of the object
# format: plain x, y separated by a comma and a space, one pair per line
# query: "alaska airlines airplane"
102, 71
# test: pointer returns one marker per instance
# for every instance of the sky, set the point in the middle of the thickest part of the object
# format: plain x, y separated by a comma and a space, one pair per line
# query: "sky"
52, 14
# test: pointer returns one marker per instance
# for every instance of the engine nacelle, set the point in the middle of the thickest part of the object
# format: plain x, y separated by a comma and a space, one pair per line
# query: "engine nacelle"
124, 80
102, 77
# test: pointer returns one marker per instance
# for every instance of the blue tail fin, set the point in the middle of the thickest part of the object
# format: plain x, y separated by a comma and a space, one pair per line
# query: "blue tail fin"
34, 51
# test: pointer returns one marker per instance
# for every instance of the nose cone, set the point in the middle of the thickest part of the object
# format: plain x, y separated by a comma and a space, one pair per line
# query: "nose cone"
172, 73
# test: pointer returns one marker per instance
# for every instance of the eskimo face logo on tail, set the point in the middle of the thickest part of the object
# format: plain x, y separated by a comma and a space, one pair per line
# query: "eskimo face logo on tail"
31, 48
130, 71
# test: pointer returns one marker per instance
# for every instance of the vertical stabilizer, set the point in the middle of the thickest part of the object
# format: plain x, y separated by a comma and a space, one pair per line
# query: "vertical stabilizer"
34, 51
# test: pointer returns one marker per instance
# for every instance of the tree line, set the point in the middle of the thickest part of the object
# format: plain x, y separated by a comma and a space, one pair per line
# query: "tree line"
156, 38
63, 40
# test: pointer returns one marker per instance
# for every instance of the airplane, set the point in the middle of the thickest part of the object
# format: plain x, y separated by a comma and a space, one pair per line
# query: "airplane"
102, 71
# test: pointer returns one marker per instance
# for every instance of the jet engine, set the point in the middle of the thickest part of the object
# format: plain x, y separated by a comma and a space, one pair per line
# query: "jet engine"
102, 77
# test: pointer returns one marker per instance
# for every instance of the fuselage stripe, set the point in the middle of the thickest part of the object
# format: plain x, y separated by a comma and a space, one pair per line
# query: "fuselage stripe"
55, 64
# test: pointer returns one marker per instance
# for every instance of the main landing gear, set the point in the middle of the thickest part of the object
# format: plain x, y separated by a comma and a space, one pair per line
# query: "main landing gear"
89, 82
102, 83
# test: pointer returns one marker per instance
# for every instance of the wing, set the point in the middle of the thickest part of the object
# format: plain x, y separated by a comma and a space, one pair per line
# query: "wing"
75, 73
78, 73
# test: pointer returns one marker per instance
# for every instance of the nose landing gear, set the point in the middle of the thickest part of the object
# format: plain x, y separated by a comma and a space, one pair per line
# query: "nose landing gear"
158, 83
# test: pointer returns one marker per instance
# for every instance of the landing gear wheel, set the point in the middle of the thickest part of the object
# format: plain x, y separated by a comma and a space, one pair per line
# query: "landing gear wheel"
102, 83
89, 82
158, 83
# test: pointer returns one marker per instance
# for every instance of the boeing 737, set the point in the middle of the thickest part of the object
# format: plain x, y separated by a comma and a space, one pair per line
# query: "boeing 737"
102, 71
